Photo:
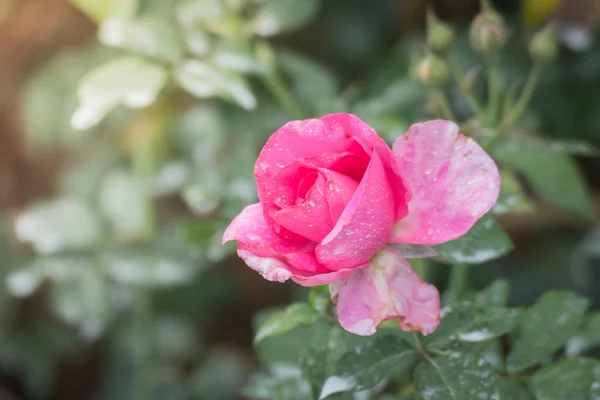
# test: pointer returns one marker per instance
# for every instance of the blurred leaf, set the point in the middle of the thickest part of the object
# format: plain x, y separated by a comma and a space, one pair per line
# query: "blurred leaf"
553, 175
24, 282
205, 15
485, 241
124, 199
512, 196
587, 338
205, 236
318, 298
128, 80
221, 375
82, 302
513, 390
203, 194
575, 147
560, 313
297, 314
58, 225
148, 268
315, 86
382, 357
495, 295
285, 382
204, 81
279, 16
149, 37
200, 132
170, 179
99, 10
237, 56
574, 379
458, 373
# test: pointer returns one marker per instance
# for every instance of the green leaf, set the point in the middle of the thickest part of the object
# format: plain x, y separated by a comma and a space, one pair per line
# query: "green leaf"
485, 241
124, 199
285, 382
278, 16
59, 225
573, 379
587, 338
149, 37
553, 175
126, 80
457, 374
513, 198
318, 298
99, 10
237, 56
467, 322
496, 294
366, 365
204, 81
560, 313
297, 314
513, 390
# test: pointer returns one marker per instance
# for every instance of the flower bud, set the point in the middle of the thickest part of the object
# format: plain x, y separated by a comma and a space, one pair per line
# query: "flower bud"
487, 33
543, 46
432, 70
439, 34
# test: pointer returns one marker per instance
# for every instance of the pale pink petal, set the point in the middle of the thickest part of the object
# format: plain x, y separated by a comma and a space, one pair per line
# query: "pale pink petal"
452, 180
270, 268
321, 279
387, 288
414, 250
370, 141
364, 226
255, 236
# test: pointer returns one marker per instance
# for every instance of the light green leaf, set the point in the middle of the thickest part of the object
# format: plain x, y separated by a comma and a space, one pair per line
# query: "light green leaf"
278, 16
553, 175
58, 225
204, 81
297, 314
366, 365
99, 10
149, 37
485, 241
237, 56
560, 313
573, 379
457, 374
587, 338
127, 80
124, 199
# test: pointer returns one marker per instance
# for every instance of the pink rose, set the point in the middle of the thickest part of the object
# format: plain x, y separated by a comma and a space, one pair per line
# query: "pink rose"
339, 207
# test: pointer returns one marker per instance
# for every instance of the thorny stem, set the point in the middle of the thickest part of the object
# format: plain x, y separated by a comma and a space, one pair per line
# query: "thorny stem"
525, 97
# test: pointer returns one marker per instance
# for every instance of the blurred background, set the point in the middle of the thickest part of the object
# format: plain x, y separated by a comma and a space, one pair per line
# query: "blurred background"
128, 134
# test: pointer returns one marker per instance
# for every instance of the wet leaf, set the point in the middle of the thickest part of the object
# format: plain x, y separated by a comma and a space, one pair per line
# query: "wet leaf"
366, 365
560, 313
297, 314
484, 242
587, 338
285, 382
496, 294
512, 196
459, 373
553, 175
573, 379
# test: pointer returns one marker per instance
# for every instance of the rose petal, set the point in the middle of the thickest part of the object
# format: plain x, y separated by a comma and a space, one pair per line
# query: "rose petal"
339, 190
364, 226
452, 180
321, 279
311, 218
370, 141
255, 236
387, 288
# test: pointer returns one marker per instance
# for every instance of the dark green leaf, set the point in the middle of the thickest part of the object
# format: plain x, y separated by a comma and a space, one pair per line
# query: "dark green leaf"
573, 379
512, 196
277, 16
284, 383
458, 374
298, 314
545, 327
366, 365
495, 295
513, 390
553, 175
587, 338
485, 241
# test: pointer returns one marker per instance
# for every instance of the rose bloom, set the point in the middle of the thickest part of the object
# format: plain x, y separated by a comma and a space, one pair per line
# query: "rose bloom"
337, 206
